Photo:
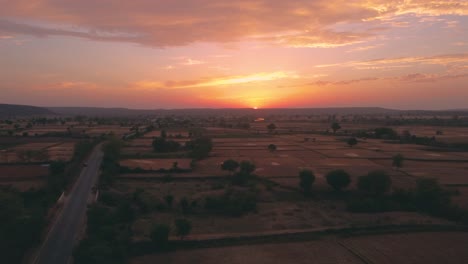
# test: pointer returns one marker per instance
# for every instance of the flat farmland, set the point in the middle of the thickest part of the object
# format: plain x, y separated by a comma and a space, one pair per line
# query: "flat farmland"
136, 150
63, 151
396, 248
273, 167
23, 177
430, 248
278, 209
320, 252
26, 185
462, 198
35, 146
171, 134
19, 172
445, 172
353, 153
156, 164
97, 131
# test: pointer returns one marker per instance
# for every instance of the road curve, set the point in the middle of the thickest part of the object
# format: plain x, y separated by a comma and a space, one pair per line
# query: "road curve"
58, 246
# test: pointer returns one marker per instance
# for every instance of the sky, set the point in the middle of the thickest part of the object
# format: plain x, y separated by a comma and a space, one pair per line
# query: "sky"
151, 54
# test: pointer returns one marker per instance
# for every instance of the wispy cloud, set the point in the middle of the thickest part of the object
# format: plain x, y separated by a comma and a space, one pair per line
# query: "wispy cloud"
164, 23
217, 82
400, 62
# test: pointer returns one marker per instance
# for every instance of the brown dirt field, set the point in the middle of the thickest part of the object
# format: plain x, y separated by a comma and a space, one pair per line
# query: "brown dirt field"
36, 146
136, 150
427, 248
271, 167
446, 172
155, 164
353, 153
320, 252
63, 151
414, 248
462, 198
23, 186
277, 210
13, 172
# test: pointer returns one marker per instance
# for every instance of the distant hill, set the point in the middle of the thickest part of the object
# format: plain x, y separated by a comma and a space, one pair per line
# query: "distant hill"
107, 112
15, 111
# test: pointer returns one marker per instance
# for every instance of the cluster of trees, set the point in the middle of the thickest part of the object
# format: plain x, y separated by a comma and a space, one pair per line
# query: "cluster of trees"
199, 147
160, 232
110, 162
22, 217
232, 202
429, 197
337, 179
241, 172
108, 234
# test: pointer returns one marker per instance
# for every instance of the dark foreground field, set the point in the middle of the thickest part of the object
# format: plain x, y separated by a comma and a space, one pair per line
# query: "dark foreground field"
427, 248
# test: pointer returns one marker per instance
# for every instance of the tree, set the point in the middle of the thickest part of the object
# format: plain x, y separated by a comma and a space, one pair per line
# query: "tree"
247, 167
169, 200
335, 126
230, 165
200, 147
430, 196
183, 227
307, 178
160, 235
398, 161
385, 133
352, 141
271, 127
375, 183
272, 147
184, 205
338, 179
163, 133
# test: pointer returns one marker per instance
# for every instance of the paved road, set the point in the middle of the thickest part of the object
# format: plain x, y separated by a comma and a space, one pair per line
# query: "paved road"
58, 246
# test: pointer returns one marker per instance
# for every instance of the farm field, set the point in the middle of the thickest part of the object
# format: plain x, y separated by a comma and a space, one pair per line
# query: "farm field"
446, 247
278, 209
156, 164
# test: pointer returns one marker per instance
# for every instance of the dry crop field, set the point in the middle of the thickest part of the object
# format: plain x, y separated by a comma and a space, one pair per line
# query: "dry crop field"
23, 177
278, 210
156, 164
444, 247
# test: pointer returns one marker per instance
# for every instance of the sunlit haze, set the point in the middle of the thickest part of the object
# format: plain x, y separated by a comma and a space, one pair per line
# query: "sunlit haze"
410, 54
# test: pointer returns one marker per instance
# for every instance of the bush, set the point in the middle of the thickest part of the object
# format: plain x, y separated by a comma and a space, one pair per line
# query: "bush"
368, 205
160, 235
183, 227
338, 179
375, 183
307, 178
232, 203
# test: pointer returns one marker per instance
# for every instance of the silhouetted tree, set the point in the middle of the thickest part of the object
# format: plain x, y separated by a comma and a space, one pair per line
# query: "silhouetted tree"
352, 141
160, 235
307, 178
335, 126
272, 147
230, 165
183, 227
375, 183
338, 179
397, 161
271, 127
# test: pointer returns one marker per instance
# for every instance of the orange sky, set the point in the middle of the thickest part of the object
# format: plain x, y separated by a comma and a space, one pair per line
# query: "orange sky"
409, 54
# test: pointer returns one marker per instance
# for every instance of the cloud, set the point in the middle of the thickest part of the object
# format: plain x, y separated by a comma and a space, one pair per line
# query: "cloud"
364, 48
162, 23
402, 62
216, 82
190, 62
